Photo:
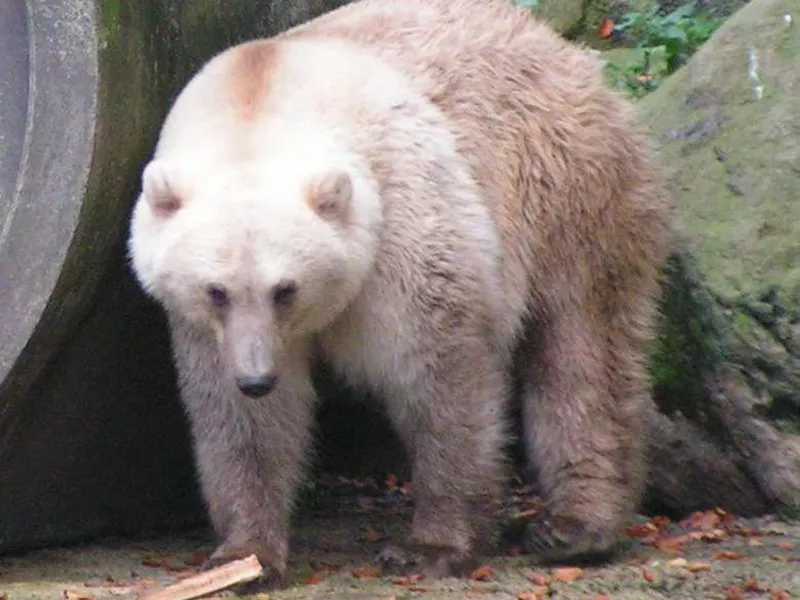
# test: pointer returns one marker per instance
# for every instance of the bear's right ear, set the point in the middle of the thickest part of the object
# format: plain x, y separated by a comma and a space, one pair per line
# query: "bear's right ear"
330, 195
161, 190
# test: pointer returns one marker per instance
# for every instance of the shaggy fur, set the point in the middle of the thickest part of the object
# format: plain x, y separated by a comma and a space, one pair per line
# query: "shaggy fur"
451, 196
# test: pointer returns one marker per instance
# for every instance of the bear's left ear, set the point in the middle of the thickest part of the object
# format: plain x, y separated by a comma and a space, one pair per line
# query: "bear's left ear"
330, 196
161, 190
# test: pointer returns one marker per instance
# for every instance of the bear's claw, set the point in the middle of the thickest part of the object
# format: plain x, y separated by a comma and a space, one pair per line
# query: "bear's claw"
557, 538
428, 561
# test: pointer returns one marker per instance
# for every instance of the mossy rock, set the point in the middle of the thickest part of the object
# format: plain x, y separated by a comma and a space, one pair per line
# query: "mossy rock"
727, 127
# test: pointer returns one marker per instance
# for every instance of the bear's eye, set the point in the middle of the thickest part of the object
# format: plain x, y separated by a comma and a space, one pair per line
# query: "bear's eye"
284, 292
218, 296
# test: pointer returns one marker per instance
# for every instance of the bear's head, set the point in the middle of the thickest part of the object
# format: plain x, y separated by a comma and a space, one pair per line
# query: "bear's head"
260, 256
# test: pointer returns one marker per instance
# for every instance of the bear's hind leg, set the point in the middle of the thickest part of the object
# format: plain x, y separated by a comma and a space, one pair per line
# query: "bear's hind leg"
584, 392
453, 424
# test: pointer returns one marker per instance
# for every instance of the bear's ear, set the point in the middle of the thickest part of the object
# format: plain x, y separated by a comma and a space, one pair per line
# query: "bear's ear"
160, 189
330, 196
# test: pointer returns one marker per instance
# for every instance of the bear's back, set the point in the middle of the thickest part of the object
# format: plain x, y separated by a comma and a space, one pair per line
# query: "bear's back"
551, 146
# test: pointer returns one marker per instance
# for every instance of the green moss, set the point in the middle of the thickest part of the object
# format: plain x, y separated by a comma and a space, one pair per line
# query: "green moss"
731, 159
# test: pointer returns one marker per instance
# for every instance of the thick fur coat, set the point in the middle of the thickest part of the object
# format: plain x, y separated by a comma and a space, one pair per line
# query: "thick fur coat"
435, 196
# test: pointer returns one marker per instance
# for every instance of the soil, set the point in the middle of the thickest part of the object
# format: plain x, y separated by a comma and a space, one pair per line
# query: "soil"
342, 524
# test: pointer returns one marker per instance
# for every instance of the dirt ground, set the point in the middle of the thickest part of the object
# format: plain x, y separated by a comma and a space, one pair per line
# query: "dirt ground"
707, 555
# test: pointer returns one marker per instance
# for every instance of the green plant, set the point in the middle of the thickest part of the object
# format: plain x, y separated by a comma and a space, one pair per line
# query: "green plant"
665, 42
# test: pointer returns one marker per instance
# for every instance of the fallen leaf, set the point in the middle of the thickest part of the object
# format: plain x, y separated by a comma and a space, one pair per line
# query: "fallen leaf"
678, 562
709, 519
788, 546
3, 596
733, 593
671, 545
601, 597
729, 555
370, 535
477, 591
195, 560
261, 596
74, 595
153, 560
540, 579
780, 595
312, 580
660, 522
752, 586
365, 573
537, 593
641, 530
567, 574
755, 542
696, 567
606, 29
408, 581
483, 573
648, 576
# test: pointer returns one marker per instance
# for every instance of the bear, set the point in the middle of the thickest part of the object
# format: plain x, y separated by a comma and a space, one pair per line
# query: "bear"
445, 202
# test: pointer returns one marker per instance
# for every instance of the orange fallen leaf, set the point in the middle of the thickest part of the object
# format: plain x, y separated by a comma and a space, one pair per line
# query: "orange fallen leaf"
74, 595
540, 579
483, 573
752, 586
733, 593
709, 519
729, 555
780, 595
696, 567
648, 576
641, 530
788, 546
606, 29
365, 573
408, 581
195, 560
671, 545
660, 522
567, 574
601, 597
537, 593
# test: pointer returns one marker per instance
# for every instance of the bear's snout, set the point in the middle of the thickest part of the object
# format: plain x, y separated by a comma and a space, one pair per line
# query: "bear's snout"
256, 386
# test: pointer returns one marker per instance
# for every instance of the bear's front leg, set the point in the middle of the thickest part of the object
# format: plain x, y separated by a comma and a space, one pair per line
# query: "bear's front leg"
453, 423
250, 453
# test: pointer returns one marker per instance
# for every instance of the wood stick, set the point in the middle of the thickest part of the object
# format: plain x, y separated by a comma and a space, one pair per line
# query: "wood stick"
213, 580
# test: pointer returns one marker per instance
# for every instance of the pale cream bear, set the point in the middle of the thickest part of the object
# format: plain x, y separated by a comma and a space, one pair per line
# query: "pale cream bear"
439, 198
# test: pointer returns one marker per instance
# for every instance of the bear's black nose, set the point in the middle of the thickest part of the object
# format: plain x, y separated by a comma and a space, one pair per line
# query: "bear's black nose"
256, 386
